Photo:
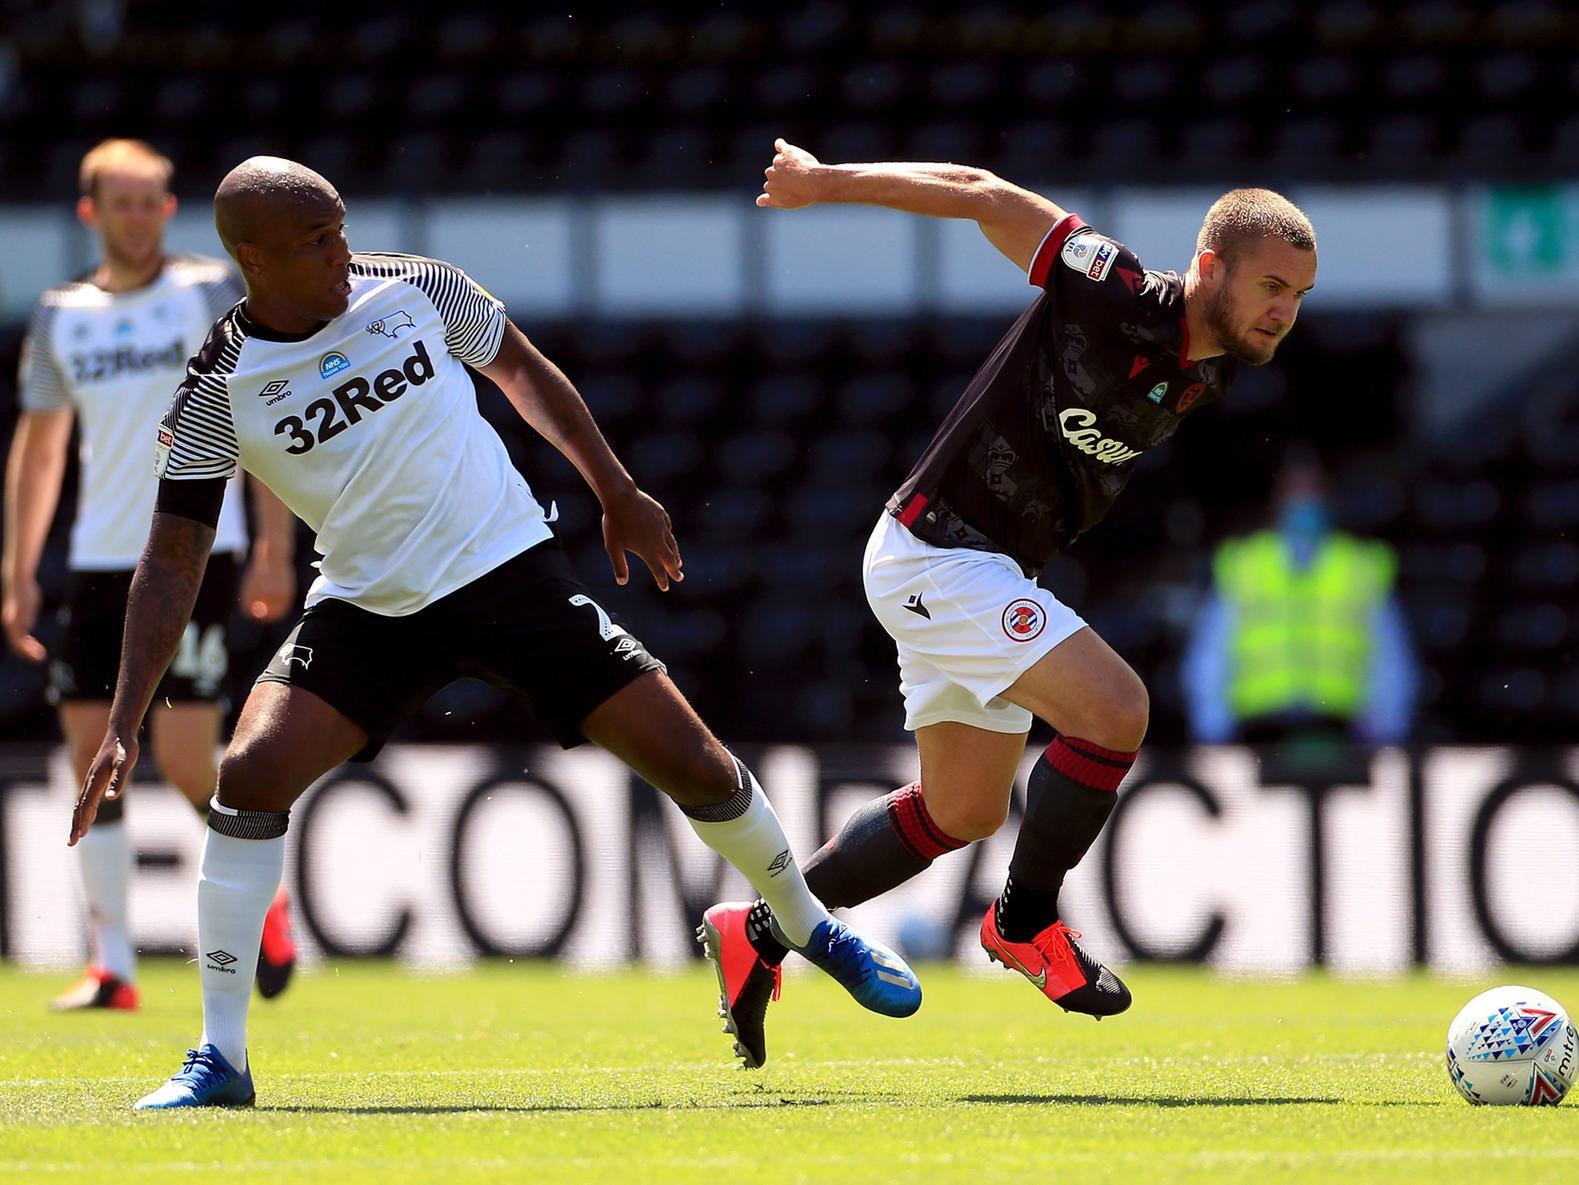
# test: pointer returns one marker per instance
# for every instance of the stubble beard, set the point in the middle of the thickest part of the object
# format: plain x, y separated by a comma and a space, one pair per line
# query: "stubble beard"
1220, 316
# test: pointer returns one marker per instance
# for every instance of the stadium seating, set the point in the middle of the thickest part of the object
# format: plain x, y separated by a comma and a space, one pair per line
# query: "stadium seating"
686, 95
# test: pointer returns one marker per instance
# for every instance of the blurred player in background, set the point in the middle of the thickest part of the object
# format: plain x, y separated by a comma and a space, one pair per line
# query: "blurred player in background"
106, 351
1102, 366
341, 382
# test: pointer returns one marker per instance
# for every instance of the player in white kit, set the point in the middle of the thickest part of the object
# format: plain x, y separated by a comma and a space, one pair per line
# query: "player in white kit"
341, 382
103, 352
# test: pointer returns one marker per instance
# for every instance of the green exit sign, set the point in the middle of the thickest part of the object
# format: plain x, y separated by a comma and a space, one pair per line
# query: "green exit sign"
1527, 239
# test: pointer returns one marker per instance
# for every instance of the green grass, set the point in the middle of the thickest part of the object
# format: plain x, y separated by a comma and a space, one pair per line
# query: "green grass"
524, 1073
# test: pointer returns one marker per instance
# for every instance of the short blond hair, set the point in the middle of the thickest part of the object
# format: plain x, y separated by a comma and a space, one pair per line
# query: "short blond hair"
1242, 216
108, 156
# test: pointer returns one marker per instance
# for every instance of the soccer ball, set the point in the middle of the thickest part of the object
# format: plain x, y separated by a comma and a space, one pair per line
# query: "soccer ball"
1512, 1046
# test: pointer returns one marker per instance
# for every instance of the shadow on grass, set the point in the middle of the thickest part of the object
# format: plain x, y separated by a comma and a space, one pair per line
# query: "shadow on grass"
1116, 1100
545, 1108
834, 1099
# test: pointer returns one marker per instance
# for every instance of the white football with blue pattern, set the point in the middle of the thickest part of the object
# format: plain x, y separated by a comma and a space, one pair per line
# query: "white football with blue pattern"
1512, 1046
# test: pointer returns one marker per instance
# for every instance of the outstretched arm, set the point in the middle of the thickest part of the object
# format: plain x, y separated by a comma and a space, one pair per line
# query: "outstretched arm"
164, 589
1014, 220
547, 401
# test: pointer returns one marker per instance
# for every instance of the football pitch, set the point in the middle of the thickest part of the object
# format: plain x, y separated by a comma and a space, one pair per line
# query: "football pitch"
369, 1073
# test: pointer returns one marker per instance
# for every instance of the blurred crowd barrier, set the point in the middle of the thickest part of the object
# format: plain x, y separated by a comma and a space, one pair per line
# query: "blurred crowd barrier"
1369, 864
704, 255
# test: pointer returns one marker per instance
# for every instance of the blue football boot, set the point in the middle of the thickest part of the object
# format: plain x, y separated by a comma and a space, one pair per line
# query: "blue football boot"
206, 1080
877, 977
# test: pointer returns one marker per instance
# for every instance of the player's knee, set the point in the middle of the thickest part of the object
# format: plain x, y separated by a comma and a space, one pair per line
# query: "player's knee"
1114, 716
248, 781
693, 770
699, 775
968, 817
1127, 714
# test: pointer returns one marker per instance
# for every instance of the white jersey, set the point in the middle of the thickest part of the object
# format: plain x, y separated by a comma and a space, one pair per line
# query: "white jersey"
114, 358
368, 429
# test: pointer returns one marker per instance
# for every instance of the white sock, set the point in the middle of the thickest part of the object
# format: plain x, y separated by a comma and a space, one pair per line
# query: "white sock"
106, 863
744, 830
238, 882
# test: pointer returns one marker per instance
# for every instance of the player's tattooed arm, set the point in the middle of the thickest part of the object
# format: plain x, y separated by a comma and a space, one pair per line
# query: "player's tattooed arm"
164, 589
550, 403
1014, 220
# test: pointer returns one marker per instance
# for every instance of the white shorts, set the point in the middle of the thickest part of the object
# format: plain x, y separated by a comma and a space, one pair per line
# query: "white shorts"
967, 624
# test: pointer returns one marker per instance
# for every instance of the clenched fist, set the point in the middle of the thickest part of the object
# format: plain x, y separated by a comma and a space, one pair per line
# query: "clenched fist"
792, 178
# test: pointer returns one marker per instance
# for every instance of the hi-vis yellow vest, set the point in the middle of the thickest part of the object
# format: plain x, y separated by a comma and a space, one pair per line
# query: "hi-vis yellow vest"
1301, 636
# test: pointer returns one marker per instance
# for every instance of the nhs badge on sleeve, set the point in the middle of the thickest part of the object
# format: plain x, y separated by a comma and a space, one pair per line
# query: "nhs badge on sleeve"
333, 363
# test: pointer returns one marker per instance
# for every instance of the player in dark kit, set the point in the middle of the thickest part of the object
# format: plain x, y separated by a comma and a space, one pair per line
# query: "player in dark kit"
1102, 366
341, 383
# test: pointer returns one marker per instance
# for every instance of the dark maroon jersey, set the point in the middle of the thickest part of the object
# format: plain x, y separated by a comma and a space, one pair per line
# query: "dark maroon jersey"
1047, 433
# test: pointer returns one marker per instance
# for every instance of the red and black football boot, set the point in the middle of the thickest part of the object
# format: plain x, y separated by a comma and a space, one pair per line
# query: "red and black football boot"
277, 951
746, 985
97, 989
1059, 966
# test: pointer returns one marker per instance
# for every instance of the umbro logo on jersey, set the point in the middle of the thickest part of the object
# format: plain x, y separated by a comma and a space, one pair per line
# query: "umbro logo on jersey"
913, 603
391, 325
780, 863
221, 960
321, 420
277, 390
332, 363
290, 652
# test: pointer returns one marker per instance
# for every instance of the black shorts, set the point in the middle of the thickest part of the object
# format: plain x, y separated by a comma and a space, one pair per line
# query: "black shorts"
528, 627
93, 618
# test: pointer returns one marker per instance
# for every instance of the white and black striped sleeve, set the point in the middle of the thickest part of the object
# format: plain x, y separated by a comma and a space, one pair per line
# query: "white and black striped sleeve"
41, 384
216, 282
221, 293
197, 438
473, 317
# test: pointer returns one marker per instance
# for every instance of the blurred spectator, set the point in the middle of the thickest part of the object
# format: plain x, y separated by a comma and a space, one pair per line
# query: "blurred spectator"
1301, 638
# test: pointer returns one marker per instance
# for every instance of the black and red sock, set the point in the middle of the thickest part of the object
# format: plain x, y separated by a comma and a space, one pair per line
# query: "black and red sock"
884, 844
1070, 794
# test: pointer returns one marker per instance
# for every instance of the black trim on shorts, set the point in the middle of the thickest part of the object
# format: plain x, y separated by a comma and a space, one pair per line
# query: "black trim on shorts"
529, 626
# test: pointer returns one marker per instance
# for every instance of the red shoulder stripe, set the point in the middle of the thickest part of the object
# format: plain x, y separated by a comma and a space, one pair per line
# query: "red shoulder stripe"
1052, 244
